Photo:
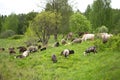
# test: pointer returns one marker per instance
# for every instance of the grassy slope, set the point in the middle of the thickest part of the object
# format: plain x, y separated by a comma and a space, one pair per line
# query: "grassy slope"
38, 66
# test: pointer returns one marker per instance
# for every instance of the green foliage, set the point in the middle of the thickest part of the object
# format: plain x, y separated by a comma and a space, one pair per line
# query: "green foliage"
102, 29
62, 7
100, 13
11, 23
44, 24
78, 22
7, 33
112, 44
116, 21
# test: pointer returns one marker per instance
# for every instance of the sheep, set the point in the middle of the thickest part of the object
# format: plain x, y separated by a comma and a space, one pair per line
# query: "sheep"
88, 36
23, 55
67, 52
77, 40
69, 36
11, 50
63, 41
42, 49
21, 49
54, 58
32, 48
90, 49
2, 49
56, 44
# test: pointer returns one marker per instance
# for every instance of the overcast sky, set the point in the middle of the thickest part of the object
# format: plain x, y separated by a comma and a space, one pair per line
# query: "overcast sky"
24, 6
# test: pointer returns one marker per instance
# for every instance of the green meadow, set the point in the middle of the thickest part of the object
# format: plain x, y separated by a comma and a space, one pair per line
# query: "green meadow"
105, 65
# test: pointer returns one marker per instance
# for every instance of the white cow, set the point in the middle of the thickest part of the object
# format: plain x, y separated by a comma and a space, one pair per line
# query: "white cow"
105, 35
88, 36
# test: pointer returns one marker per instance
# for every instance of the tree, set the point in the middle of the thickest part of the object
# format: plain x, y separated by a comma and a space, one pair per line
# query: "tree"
101, 14
116, 21
87, 12
79, 23
23, 23
11, 23
43, 25
60, 6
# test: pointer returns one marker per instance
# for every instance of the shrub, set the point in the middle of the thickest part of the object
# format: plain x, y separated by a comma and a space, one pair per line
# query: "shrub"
102, 29
7, 33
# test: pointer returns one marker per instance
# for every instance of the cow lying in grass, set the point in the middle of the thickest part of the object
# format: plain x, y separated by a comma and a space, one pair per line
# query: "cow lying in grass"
67, 52
89, 50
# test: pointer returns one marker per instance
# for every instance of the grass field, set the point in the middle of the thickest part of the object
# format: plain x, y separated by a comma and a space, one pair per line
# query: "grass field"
38, 66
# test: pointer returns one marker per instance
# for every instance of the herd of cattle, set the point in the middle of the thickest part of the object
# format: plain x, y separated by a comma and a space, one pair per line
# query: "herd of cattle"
25, 51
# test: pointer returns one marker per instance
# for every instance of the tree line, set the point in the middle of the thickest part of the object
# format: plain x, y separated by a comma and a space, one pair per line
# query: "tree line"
58, 17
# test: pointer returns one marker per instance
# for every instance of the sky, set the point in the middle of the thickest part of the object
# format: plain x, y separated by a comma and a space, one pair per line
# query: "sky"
25, 6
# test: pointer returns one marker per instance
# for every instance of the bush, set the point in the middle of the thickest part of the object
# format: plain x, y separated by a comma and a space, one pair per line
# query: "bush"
102, 29
7, 33
112, 44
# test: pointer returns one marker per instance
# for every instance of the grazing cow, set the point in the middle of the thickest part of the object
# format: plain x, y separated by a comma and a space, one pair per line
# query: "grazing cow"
56, 44
63, 41
42, 49
90, 49
77, 40
54, 58
67, 52
105, 37
88, 36
22, 49
11, 50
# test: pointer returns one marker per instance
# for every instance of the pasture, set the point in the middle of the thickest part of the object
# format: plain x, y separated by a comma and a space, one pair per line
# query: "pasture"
105, 65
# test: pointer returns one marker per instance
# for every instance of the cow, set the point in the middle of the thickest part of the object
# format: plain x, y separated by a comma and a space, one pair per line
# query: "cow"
88, 37
54, 58
105, 37
90, 49
67, 52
